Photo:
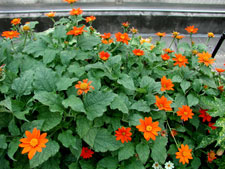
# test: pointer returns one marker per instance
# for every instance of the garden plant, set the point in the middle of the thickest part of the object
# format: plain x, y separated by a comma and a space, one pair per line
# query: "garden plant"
72, 98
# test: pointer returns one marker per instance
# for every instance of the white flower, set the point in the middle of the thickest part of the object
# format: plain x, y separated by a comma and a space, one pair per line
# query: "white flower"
169, 165
156, 165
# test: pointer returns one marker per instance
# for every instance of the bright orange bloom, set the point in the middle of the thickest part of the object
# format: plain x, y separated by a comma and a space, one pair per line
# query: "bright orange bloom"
70, 1
122, 37
211, 125
50, 14
83, 87
107, 41
147, 40
106, 38
123, 134
175, 34
125, 24
163, 104
161, 34
76, 31
104, 55
77, 11
205, 58
211, 156
138, 52
86, 153
184, 154
173, 132
180, 60
10, 34
90, 19
219, 70
185, 112
211, 35
149, 128
168, 50
205, 116
133, 30
152, 47
165, 56
179, 37
220, 88
166, 84
191, 29
16, 21
33, 143
106, 35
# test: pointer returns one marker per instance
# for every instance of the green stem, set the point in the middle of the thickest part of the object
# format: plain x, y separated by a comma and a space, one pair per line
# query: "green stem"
171, 42
24, 43
191, 40
171, 134
207, 41
117, 45
13, 46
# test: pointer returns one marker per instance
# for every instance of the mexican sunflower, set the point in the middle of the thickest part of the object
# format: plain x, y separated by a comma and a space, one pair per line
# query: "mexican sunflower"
165, 56
166, 84
83, 87
161, 34
205, 58
147, 40
149, 128
125, 24
104, 55
90, 19
211, 35
211, 156
122, 37
191, 29
133, 30
184, 154
179, 37
77, 11
185, 112
220, 88
180, 60
123, 134
33, 143
168, 50
76, 31
220, 70
86, 153
16, 21
138, 52
163, 104
10, 34
50, 14
106, 38
204, 115
211, 125
70, 1
175, 34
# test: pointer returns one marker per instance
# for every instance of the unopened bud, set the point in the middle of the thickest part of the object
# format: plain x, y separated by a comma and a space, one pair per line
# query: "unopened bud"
220, 152
26, 28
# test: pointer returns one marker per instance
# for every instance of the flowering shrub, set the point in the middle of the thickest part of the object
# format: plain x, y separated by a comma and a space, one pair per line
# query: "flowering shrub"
103, 102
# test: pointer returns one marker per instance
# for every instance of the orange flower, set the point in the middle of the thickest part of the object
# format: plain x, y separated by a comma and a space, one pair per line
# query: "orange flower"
211, 156
173, 132
149, 128
185, 112
106, 35
138, 52
219, 70
179, 37
180, 60
191, 29
50, 14
211, 35
211, 125
16, 21
166, 84
165, 56
125, 24
33, 143
133, 30
86, 153
77, 11
104, 55
122, 37
152, 47
70, 1
107, 41
175, 34
163, 104
147, 40
161, 34
205, 58
123, 134
76, 31
10, 34
205, 116
168, 50
220, 88
90, 19
83, 87
184, 154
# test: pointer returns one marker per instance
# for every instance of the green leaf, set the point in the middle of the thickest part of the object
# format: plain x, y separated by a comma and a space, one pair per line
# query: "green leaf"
31, 125
87, 42
206, 70
118, 103
64, 83
45, 79
209, 81
126, 152
134, 119
51, 149
49, 55
134, 164
90, 137
143, 152
74, 166
75, 103
184, 45
180, 100
23, 84
197, 85
185, 85
83, 126
104, 141
76, 69
177, 78
87, 164
192, 100
195, 121
67, 139
59, 32
146, 82
140, 105
196, 163
37, 48
13, 129
49, 99
126, 81
96, 102
66, 56
159, 152
13, 147
206, 140
21, 114
3, 143
108, 162
52, 163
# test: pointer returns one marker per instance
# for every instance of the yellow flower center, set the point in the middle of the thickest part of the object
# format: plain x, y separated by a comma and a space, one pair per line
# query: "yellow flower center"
185, 113
180, 59
148, 128
34, 142
122, 37
10, 33
83, 86
123, 133
185, 153
205, 58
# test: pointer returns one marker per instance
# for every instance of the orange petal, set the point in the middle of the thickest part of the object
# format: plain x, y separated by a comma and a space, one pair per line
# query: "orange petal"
31, 154
26, 149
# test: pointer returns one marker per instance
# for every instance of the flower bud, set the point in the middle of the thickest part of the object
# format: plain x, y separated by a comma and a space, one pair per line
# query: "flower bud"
220, 152
26, 28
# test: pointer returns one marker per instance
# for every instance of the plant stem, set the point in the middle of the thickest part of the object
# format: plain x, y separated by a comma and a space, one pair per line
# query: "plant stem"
24, 43
171, 134
171, 42
117, 45
13, 46
191, 40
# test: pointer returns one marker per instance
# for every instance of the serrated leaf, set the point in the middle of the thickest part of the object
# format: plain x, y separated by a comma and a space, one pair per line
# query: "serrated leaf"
180, 100
49, 55
3, 143
37, 48
134, 119
140, 105
208, 81
64, 83
67, 139
108, 162
207, 140
95, 103
135, 164
13, 147
75, 103
87, 42
76, 69
21, 114
31, 125
197, 85
66, 56
206, 70
126, 152
59, 32
146, 82
52, 163
177, 78
192, 100
118, 103
51, 149
126, 81
143, 152
13, 129
159, 152
185, 85
83, 126
90, 136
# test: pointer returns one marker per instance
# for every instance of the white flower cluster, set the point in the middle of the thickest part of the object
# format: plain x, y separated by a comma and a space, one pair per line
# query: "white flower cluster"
168, 165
